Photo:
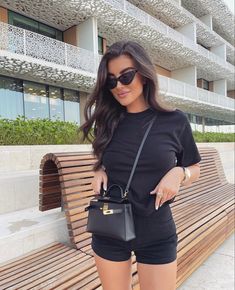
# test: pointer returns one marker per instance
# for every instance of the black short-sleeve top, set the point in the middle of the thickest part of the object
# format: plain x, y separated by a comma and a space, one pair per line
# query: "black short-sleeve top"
169, 143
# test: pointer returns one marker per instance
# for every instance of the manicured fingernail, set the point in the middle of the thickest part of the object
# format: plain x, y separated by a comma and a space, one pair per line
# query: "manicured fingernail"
156, 207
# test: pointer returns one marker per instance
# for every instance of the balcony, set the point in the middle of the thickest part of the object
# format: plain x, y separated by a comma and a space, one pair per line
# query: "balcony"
174, 15
167, 47
196, 100
39, 57
183, 90
167, 31
223, 23
35, 57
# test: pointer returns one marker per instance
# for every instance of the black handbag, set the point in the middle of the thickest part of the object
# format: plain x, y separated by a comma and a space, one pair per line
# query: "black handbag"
112, 216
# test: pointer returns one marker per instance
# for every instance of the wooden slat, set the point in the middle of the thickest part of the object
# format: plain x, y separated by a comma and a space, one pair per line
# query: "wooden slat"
203, 214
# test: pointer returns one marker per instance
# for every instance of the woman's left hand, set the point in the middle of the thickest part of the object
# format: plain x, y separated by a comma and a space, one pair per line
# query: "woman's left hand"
168, 187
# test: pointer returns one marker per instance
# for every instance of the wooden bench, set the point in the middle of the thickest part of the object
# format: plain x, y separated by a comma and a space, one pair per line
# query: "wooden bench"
203, 213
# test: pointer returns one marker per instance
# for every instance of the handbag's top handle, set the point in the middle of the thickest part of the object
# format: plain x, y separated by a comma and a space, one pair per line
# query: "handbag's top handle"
137, 156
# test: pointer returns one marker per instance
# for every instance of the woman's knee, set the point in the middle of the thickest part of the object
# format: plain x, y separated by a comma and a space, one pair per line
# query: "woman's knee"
159, 276
114, 275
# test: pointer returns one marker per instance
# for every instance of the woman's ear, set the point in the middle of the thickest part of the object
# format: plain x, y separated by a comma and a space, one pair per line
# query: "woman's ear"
144, 81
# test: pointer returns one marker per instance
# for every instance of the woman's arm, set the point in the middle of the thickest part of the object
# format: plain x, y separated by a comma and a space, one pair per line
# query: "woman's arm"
170, 184
194, 170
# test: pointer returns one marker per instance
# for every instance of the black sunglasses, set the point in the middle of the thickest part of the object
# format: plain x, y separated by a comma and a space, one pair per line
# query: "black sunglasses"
125, 79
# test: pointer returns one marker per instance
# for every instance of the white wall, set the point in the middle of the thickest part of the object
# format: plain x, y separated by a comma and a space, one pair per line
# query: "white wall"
188, 30
207, 19
87, 35
220, 87
18, 158
219, 50
187, 75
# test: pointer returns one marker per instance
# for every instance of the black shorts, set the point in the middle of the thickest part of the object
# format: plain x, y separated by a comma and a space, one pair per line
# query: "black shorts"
155, 243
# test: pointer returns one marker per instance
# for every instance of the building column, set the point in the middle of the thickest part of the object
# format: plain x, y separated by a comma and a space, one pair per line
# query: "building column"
83, 100
187, 75
87, 38
84, 35
87, 35
203, 124
220, 87
219, 50
189, 30
207, 19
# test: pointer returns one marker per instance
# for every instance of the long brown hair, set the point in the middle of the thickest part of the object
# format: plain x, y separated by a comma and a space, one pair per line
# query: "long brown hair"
103, 110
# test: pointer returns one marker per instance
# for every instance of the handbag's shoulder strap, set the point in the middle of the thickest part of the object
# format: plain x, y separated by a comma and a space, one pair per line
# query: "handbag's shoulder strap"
138, 154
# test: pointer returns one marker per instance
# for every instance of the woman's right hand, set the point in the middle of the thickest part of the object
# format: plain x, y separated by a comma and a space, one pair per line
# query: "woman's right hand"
100, 177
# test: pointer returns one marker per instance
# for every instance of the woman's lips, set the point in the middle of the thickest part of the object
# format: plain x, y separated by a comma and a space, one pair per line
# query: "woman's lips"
122, 95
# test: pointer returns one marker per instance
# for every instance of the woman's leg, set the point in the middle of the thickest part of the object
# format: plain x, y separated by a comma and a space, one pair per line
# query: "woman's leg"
114, 275
157, 277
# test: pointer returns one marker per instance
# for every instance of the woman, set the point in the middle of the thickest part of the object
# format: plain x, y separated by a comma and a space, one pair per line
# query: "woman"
126, 98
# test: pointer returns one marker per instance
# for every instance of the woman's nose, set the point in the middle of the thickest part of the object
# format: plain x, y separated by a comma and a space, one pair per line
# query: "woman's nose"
119, 84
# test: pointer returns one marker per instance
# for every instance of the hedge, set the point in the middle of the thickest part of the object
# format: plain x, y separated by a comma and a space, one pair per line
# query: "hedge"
23, 131
213, 137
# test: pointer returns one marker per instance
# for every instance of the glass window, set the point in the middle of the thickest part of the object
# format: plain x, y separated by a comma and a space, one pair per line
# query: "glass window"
100, 45
22, 21
46, 30
36, 100
71, 106
11, 98
205, 84
198, 119
59, 35
33, 25
188, 116
56, 103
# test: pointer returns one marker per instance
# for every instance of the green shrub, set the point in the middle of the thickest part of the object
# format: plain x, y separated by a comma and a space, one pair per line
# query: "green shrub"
23, 131
213, 137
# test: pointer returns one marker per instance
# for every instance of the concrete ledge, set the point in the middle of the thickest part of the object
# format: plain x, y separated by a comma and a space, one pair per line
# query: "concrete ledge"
18, 190
29, 157
27, 230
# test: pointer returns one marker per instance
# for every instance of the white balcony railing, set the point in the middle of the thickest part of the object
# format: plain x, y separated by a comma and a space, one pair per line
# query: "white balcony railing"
183, 90
147, 19
27, 43
22, 42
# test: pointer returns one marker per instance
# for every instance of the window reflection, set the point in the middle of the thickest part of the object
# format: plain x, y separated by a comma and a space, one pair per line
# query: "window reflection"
209, 124
71, 106
56, 103
33, 25
11, 98
36, 100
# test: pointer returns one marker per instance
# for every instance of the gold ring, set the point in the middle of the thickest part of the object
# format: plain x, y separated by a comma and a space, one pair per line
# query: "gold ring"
160, 194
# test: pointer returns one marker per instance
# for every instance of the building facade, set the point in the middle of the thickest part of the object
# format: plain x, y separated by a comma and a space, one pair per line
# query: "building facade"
50, 52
